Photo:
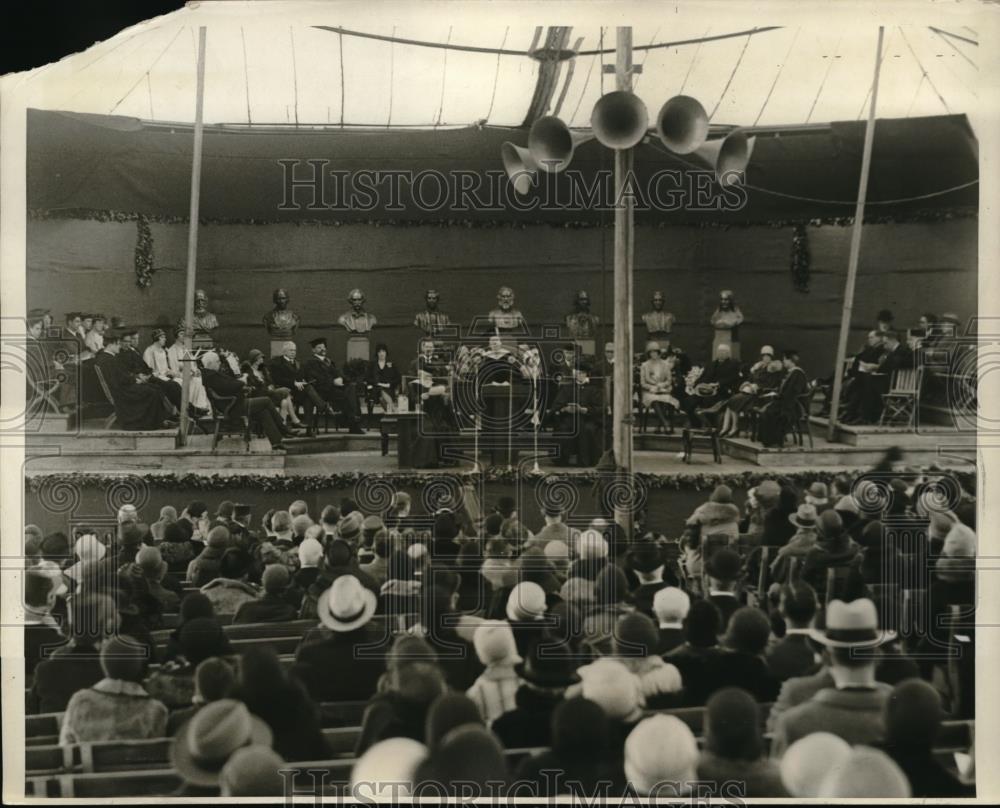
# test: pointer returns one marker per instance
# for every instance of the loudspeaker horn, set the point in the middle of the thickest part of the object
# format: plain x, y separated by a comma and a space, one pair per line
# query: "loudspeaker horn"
619, 120
552, 143
682, 124
520, 166
728, 156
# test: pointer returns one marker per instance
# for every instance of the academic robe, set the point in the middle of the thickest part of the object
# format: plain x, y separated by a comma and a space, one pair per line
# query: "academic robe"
137, 405
438, 418
133, 363
579, 433
323, 374
781, 413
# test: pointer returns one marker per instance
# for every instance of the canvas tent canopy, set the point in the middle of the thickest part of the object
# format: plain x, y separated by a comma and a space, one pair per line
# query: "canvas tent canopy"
298, 63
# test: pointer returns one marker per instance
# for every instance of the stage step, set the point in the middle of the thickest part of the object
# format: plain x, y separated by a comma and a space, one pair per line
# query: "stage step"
342, 441
651, 442
925, 436
105, 440
944, 452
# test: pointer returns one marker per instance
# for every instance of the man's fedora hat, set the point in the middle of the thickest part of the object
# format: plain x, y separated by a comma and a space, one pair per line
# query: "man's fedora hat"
851, 625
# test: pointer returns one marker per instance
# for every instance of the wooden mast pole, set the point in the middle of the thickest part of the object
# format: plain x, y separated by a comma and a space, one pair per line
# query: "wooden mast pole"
624, 248
192, 253
852, 266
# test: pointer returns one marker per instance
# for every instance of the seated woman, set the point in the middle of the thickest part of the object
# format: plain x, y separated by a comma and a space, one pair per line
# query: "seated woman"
765, 376
383, 380
169, 364
116, 708
657, 380
258, 377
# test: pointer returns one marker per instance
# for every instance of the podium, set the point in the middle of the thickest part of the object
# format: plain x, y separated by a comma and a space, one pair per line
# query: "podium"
359, 347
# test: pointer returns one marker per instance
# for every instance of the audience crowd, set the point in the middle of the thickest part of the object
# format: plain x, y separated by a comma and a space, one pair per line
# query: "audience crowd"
469, 638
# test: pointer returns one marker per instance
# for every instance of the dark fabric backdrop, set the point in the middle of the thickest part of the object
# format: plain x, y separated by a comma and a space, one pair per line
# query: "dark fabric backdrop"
909, 268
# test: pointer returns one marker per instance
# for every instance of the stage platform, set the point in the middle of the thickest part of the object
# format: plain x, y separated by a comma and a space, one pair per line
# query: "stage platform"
57, 451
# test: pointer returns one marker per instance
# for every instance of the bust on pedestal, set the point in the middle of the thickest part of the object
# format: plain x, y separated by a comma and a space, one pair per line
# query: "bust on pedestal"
431, 321
359, 324
205, 323
582, 325
507, 321
281, 322
659, 323
726, 321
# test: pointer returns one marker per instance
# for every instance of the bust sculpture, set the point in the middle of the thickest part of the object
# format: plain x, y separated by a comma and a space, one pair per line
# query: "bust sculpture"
357, 320
431, 320
505, 318
659, 323
726, 321
281, 322
580, 323
204, 323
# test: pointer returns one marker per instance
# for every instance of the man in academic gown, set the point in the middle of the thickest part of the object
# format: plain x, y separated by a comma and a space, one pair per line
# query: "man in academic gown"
715, 385
578, 415
138, 405
429, 390
783, 410
323, 375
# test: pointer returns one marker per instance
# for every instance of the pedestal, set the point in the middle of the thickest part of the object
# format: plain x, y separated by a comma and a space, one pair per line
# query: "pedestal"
358, 347
276, 347
588, 347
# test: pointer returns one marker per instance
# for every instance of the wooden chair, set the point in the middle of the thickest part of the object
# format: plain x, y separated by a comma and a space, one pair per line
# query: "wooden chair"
107, 394
225, 421
900, 403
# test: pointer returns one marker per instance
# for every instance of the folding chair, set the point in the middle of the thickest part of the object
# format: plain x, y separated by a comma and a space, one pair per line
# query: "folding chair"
802, 424
225, 421
900, 403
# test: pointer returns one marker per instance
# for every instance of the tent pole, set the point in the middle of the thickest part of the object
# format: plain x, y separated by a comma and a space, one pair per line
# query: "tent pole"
624, 245
852, 266
192, 253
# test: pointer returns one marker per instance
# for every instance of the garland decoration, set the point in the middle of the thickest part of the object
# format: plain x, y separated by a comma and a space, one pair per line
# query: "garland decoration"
143, 252
703, 481
919, 216
800, 259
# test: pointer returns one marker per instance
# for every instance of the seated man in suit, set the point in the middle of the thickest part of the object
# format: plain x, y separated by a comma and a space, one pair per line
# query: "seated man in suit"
578, 415
322, 374
794, 655
260, 409
138, 405
716, 384
287, 372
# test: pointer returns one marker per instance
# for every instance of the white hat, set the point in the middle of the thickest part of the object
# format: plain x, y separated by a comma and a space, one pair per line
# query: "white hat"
128, 513
557, 551
499, 572
608, 683
526, 602
866, 772
661, 749
671, 604
387, 768
767, 349
807, 761
852, 625
494, 642
592, 545
346, 605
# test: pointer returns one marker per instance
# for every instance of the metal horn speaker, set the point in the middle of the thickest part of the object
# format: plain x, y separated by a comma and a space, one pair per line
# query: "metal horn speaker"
552, 143
520, 166
619, 120
728, 156
682, 124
